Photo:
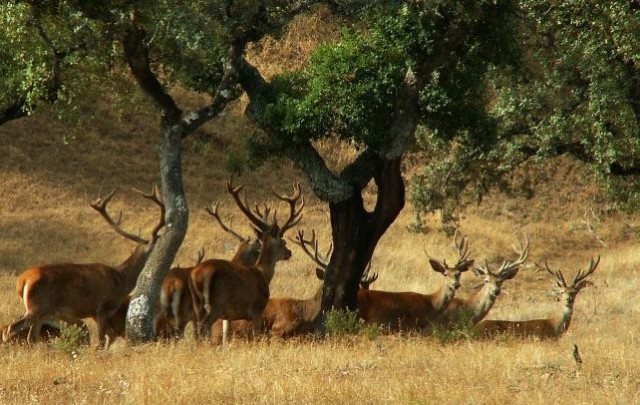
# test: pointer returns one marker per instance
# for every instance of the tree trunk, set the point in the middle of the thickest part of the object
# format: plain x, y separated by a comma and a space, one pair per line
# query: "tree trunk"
140, 318
356, 233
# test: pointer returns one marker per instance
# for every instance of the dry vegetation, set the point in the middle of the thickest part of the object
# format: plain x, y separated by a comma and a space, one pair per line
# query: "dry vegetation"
45, 218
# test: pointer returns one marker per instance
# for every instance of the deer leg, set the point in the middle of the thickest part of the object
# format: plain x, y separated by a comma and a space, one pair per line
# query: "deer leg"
256, 320
34, 331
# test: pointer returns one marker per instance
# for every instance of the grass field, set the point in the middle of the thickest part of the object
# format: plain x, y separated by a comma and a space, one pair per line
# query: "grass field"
45, 218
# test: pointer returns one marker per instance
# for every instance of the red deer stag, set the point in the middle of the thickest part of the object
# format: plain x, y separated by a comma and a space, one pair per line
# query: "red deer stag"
550, 328
229, 291
72, 291
176, 308
285, 317
409, 310
475, 308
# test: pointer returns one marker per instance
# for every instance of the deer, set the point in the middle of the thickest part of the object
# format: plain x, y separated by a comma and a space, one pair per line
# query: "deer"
50, 330
549, 328
409, 310
231, 291
175, 308
285, 317
478, 306
73, 291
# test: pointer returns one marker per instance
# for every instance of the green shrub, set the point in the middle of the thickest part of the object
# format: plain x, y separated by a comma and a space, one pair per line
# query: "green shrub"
344, 322
72, 337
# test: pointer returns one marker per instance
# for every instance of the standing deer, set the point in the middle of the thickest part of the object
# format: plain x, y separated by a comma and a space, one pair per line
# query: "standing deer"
176, 305
550, 328
230, 291
72, 291
285, 317
409, 310
479, 305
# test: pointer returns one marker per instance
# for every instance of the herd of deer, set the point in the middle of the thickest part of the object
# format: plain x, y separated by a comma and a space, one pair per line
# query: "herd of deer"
224, 297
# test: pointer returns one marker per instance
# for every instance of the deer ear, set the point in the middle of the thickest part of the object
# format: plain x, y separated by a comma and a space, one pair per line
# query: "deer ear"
466, 265
511, 274
320, 273
437, 266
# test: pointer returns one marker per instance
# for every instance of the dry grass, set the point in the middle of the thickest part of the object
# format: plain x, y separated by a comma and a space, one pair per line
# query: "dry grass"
46, 218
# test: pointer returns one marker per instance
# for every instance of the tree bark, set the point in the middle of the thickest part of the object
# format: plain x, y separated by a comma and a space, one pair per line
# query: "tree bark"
140, 318
356, 233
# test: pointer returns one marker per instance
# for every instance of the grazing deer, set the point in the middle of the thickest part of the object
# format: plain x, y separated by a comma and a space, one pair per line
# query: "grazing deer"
50, 330
550, 328
479, 305
230, 291
72, 291
402, 310
285, 317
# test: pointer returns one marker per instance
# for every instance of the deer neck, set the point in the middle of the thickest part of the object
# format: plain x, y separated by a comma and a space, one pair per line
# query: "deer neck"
442, 297
266, 264
480, 303
311, 306
130, 269
561, 323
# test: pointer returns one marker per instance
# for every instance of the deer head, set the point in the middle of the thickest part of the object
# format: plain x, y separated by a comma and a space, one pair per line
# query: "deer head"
493, 279
452, 273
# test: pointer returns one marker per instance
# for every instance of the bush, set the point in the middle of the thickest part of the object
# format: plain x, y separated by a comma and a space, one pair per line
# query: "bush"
72, 337
456, 329
344, 322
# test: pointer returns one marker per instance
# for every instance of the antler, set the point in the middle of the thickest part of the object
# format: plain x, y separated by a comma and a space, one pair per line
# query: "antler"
156, 196
580, 276
200, 256
367, 279
100, 205
295, 214
315, 256
259, 224
557, 275
462, 246
523, 253
213, 211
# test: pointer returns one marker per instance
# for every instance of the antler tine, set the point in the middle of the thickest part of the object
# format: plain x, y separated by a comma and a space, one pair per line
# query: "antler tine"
367, 279
557, 275
213, 211
580, 276
304, 244
100, 205
295, 213
235, 191
156, 196
462, 247
200, 256
523, 254
484, 268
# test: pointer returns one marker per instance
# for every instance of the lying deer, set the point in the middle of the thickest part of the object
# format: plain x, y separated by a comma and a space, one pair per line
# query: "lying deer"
550, 328
286, 317
478, 306
72, 291
409, 310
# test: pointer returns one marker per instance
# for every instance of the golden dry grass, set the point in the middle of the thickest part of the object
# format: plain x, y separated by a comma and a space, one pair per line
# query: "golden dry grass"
45, 217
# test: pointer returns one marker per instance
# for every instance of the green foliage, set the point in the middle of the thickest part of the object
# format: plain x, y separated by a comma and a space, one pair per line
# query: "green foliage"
576, 89
341, 323
71, 339
460, 328
348, 91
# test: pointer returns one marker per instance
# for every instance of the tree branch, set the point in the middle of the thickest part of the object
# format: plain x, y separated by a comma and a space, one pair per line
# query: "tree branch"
137, 55
226, 91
